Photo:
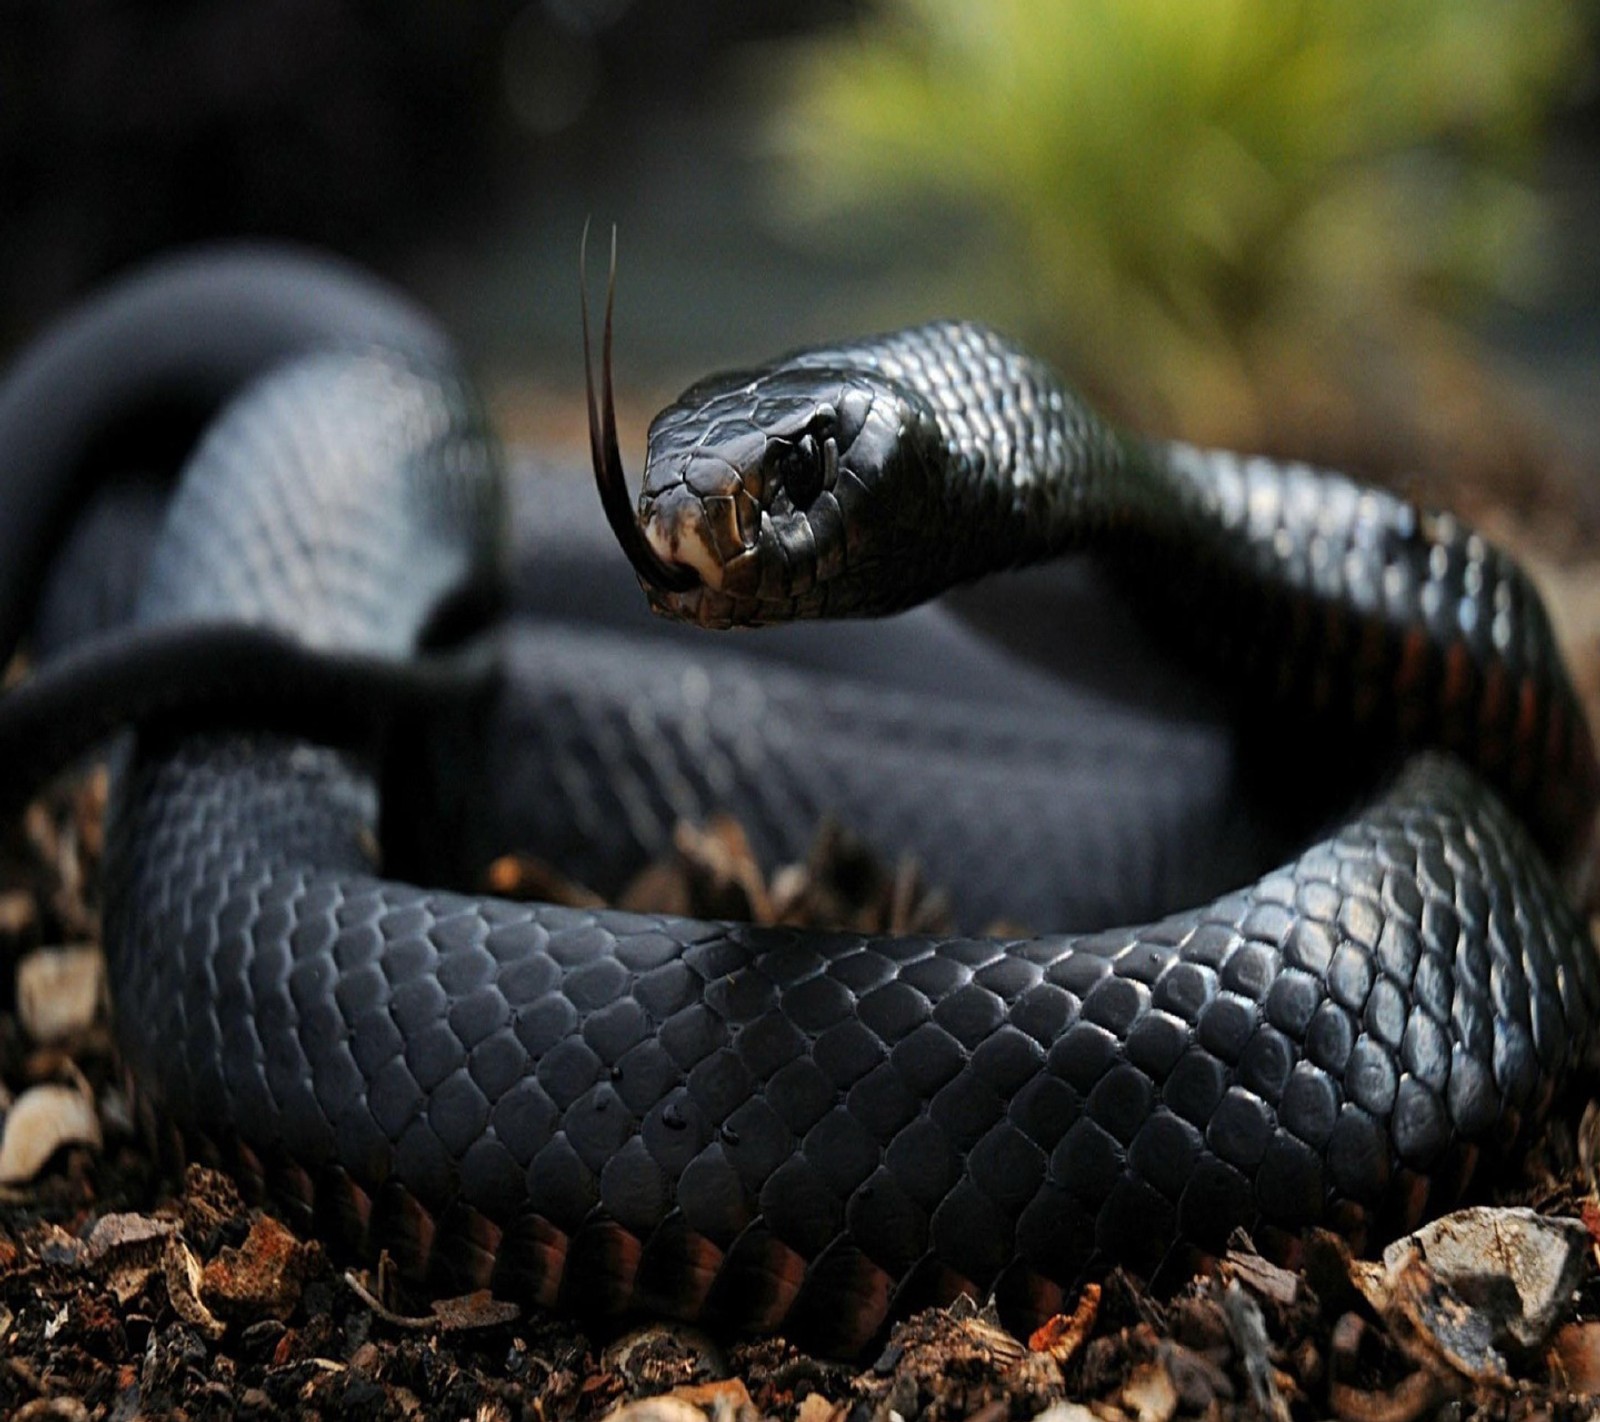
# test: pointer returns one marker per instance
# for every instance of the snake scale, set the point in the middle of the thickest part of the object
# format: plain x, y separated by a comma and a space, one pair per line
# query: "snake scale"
776, 1128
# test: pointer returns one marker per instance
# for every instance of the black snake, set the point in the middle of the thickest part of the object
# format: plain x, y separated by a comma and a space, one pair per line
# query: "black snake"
776, 1128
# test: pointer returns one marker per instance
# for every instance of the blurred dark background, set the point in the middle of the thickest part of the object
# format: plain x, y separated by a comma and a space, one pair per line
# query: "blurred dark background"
453, 146
1363, 232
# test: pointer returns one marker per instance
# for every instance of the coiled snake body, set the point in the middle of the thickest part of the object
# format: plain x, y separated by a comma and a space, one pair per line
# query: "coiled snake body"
782, 1128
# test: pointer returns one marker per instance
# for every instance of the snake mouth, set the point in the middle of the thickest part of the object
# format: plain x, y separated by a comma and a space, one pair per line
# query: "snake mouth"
682, 533
656, 572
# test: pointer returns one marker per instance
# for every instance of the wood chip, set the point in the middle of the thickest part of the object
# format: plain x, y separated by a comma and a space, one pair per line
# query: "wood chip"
1405, 1402
722, 869
1249, 1332
129, 1247
60, 991
52, 1409
467, 1313
524, 876
260, 1278
1067, 1412
723, 1394
183, 1275
1062, 1335
1575, 1358
210, 1201
1149, 1394
657, 1409
1262, 1276
41, 1121
19, 913
814, 1407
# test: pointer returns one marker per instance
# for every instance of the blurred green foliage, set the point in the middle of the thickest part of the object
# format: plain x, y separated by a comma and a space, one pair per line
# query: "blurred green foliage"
1192, 202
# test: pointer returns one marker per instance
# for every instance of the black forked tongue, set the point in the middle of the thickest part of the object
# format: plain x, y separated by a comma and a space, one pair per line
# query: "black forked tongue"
609, 476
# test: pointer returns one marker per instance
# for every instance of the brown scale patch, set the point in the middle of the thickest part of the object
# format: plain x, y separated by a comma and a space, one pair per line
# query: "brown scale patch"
1024, 1298
294, 1189
1279, 1243
403, 1227
1576, 751
1454, 1173
1458, 679
759, 1281
930, 1283
173, 1148
1413, 668
249, 1169
1510, 1127
356, 1213
1411, 1193
349, 1209
531, 1262
602, 1264
1576, 794
1572, 776
677, 1270
1412, 676
1558, 735
1581, 750
1350, 1221
1562, 782
1493, 742
844, 1301
465, 1250
1369, 684
1524, 738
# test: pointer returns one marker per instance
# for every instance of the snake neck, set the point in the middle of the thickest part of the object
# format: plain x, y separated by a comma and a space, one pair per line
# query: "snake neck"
1310, 593
1026, 470
1402, 625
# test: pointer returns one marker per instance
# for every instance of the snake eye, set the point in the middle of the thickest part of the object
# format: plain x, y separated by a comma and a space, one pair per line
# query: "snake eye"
802, 469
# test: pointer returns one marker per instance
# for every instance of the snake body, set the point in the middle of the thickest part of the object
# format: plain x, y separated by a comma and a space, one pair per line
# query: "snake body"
789, 1129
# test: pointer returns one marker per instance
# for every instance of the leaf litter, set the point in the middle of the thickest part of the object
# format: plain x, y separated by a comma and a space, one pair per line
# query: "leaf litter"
125, 1292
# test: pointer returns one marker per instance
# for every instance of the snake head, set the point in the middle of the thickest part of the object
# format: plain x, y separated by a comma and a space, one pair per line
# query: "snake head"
786, 492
